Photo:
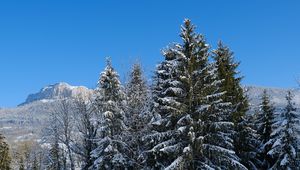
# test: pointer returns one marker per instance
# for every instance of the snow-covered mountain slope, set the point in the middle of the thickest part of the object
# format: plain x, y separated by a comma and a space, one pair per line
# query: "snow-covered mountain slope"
277, 95
57, 91
27, 120
24, 122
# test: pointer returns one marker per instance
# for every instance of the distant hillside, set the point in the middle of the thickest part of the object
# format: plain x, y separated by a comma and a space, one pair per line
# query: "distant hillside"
277, 95
27, 120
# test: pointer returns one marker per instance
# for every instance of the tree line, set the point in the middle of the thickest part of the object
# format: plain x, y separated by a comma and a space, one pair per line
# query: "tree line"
194, 115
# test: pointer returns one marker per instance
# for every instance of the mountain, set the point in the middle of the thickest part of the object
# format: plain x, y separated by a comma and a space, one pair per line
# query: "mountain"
64, 90
277, 95
57, 91
27, 121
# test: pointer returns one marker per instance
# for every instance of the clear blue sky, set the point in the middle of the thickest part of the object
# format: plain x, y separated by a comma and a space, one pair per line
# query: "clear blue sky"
47, 41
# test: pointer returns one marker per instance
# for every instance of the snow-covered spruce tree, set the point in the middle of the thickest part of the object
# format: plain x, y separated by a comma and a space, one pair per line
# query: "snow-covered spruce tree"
163, 143
211, 145
137, 97
136, 94
231, 84
215, 128
111, 151
247, 143
5, 159
245, 139
265, 118
264, 122
284, 138
192, 128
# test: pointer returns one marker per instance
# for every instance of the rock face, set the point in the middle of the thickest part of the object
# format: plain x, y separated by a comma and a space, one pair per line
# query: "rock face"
58, 91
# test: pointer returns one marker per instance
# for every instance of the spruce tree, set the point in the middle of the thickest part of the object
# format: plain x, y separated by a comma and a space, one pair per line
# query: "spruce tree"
5, 159
137, 98
136, 93
35, 164
245, 138
266, 118
264, 123
284, 138
162, 145
194, 127
247, 143
111, 151
231, 82
21, 163
56, 160
215, 128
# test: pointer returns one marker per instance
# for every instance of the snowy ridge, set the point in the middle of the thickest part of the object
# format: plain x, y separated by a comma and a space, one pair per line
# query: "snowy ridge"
57, 91
277, 95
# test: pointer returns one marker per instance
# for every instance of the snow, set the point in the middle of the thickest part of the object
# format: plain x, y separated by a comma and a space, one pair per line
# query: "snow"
277, 143
175, 164
109, 148
284, 161
182, 129
5, 128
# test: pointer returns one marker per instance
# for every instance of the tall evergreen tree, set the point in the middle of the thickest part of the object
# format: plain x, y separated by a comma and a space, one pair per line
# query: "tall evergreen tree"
136, 94
264, 123
215, 128
137, 97
265, 118
167, 93
231, 84
5, 159
245, 138
111, 152
56, 156
284, 138
194, 127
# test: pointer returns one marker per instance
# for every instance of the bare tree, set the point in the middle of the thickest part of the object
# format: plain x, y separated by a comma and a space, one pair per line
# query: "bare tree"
61, 130
87, 130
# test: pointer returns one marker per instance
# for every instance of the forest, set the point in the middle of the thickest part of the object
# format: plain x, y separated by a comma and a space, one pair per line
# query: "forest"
193, 115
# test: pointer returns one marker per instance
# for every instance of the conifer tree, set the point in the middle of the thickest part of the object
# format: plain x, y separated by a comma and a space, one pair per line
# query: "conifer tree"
215, 128
35, 164
137, 98
111, 151
247, 143
5, 159
284, 138
231, 84
264, 123
136, 92
245, 138
266, 118
167, 93
194, 128
56, 157
21, 163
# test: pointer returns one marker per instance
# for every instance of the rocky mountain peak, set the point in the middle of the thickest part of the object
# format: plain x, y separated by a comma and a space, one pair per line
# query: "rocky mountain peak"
58, 91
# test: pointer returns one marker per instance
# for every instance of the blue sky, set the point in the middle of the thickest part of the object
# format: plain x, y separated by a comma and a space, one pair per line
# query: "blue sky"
49, 41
